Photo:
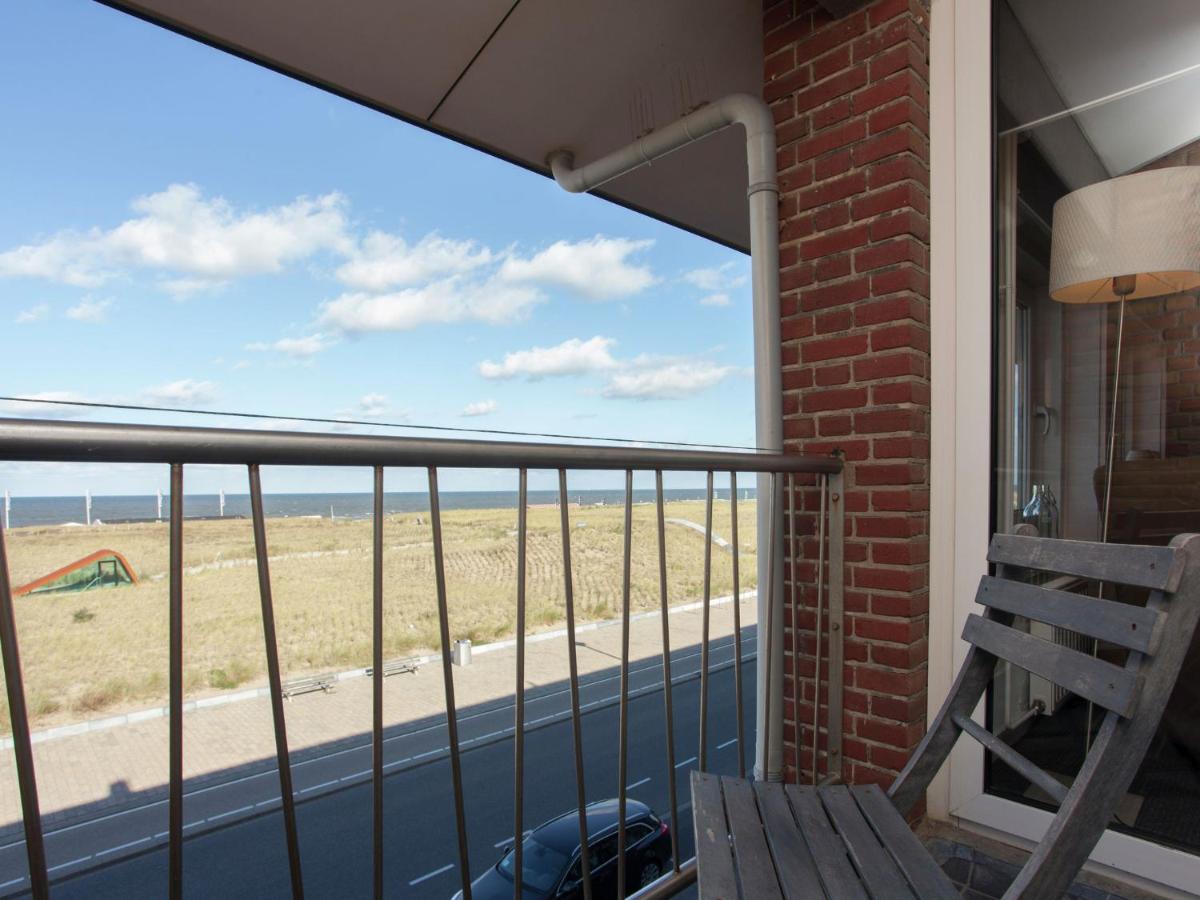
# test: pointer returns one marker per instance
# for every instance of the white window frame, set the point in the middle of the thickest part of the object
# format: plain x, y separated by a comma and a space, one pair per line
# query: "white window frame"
961, 322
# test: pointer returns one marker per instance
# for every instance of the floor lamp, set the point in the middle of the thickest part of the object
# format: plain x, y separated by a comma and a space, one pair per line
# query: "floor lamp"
1119, 240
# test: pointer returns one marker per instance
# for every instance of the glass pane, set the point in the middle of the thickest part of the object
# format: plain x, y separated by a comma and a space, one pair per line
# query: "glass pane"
1072, 382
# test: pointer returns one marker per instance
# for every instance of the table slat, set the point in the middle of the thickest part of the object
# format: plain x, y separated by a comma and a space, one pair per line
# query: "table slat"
928, 880
798, 876
755, 868
714, 857
875, 867
837, 875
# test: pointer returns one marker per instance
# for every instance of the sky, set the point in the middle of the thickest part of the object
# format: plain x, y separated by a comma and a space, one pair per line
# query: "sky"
183, 228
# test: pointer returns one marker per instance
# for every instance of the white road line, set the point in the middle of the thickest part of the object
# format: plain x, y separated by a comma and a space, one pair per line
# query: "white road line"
193, 824
509, 840
55, 868
121, 847
266, 802
728, 743
230, 812
15, 881
432, 874
686, 762
637, 784
356, 774
317, 787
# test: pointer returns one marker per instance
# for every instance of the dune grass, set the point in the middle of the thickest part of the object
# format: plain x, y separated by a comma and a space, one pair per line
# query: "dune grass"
104, 651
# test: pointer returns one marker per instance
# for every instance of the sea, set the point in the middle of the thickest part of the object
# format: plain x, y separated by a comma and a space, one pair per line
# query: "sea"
48, 511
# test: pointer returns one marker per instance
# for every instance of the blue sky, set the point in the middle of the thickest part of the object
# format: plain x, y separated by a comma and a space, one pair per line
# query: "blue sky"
184, 228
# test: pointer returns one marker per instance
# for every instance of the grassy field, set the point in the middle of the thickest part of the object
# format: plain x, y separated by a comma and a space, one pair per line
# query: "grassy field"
104, 651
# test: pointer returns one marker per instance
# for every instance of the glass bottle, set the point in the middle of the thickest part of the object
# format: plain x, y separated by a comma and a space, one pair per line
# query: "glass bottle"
1041, 511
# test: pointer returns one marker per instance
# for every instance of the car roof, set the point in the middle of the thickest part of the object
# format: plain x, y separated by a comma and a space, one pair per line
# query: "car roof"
562, 833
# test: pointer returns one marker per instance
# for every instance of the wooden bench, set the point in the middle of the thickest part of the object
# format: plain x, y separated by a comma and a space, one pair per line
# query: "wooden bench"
766, 840
397, 667
308, 685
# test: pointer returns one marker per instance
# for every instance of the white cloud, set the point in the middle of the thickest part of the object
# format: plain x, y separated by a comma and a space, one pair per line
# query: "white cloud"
185, 392
717, 278
89, 310
479, 408
301, 347
384, 261
667, 380
179, 230
371, 406
47, 410
33, 314
571, 357
715, 300
449, 300
597, 269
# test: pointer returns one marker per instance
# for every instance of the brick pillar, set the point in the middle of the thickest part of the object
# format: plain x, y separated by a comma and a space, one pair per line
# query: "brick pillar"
851, 104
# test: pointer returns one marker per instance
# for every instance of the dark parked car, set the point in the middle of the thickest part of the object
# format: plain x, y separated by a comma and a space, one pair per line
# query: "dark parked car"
551, 866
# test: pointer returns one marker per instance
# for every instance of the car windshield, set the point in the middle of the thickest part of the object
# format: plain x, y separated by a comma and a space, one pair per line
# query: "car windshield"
541, 865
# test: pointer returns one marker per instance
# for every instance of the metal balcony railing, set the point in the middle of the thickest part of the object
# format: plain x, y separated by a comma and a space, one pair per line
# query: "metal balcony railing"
43, 441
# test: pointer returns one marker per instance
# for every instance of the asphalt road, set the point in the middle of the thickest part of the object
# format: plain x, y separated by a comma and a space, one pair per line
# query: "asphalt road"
235, 846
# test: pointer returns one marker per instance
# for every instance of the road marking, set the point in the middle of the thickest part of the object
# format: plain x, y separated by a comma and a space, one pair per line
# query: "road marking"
193, 824
688, 761
266, 802
121, 847
60, 865
317, 787
509, 840
19, 880
231, 812
726, 744
432, 874
637, 784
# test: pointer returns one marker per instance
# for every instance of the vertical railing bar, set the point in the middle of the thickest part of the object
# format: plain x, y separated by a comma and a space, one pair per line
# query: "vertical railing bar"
770, 641
519, 714
668, 703
623, 726
737, 626
31, 817
377, 683
816, 728
795, 610
287, 798
175, 689
702, 754
573, 662
836, 510
439, 566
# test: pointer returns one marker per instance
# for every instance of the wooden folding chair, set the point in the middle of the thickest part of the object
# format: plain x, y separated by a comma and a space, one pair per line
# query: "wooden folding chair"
767, 840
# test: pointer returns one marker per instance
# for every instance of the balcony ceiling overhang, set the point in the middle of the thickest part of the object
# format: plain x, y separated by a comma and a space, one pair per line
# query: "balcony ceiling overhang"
519, 79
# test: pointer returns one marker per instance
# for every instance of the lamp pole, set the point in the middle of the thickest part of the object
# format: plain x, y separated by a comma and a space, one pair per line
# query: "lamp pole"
1123, 286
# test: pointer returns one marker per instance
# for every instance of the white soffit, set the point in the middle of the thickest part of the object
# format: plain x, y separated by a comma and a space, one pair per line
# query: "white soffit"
1094, 49
521, 79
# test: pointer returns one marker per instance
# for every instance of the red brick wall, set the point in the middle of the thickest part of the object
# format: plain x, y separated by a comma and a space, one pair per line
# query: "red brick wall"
851, 103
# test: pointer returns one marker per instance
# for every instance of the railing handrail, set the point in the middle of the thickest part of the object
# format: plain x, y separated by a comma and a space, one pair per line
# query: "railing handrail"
29, 440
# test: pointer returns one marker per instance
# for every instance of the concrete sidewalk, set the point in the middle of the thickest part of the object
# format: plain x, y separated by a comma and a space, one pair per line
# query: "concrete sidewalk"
93, 773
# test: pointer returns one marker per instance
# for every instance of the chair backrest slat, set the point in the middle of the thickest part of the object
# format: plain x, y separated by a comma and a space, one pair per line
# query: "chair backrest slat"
1157, 568
1132, 627
1088, 677
1030, 771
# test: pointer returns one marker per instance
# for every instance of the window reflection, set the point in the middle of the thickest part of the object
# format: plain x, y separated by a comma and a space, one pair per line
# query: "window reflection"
1055, 363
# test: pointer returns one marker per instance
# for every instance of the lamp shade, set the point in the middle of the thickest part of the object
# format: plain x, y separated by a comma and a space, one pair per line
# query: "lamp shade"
1146, 224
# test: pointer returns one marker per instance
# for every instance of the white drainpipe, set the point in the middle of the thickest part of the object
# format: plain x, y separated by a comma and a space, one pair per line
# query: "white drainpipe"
763, 194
